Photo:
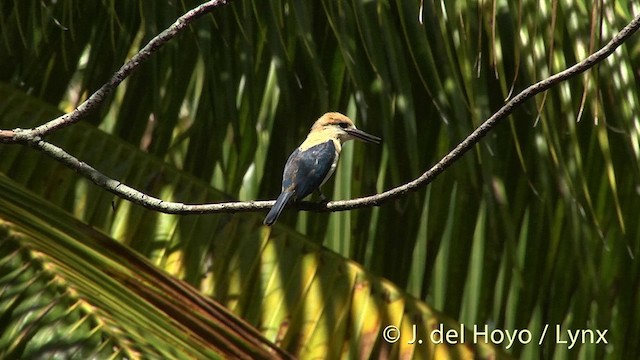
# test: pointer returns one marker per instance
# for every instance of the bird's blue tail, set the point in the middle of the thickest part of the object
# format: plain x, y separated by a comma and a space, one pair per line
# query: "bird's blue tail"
277, 208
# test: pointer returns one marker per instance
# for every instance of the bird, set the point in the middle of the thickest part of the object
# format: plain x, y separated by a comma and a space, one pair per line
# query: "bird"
315, 160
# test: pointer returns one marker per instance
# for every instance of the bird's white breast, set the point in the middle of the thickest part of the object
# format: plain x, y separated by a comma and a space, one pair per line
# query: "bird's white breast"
334, 165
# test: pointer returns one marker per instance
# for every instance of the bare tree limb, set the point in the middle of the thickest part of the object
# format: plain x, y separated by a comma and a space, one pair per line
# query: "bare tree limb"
98, 97
33, 138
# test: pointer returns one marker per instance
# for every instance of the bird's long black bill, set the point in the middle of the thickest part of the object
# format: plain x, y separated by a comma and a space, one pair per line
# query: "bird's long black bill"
361, 135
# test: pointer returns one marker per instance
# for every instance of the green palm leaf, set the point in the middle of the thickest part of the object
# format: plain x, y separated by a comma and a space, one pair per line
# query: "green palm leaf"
69, 291
538, 226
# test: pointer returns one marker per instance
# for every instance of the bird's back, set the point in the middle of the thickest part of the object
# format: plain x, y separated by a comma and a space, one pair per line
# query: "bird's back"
307, 169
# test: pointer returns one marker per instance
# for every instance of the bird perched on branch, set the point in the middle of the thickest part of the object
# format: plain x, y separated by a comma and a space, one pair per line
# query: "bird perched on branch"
315, 160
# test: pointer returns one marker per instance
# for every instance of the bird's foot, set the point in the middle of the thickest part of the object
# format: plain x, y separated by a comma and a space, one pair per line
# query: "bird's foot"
321, 198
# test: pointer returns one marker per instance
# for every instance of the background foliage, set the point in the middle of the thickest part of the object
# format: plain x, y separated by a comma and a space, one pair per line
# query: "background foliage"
537, 226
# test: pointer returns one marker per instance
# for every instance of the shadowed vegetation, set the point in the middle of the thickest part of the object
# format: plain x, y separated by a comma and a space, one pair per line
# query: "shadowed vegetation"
538, 225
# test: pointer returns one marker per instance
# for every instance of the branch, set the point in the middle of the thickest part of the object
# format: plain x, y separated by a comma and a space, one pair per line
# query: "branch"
129, 67
128, 193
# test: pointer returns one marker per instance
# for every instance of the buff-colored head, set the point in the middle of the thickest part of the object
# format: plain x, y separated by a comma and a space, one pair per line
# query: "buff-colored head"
343, 128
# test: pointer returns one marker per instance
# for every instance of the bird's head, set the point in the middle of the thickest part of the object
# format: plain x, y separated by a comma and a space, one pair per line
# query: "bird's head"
341, 127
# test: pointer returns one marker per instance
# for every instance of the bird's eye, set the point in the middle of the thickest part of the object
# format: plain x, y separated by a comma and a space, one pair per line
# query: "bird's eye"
343, 125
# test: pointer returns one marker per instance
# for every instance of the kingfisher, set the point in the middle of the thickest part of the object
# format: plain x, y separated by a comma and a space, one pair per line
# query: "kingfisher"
315, 160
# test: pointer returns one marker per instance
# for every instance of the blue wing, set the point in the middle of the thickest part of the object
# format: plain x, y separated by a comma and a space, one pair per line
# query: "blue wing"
305, 170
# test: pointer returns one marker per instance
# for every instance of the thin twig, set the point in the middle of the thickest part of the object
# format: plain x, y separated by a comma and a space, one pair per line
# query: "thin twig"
98, 97
128, 193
